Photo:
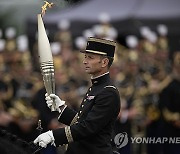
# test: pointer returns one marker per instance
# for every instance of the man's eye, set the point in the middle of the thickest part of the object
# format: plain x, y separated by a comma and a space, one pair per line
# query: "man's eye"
90, 57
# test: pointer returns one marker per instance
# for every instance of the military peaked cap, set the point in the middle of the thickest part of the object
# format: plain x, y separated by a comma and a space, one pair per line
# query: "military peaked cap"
100, 46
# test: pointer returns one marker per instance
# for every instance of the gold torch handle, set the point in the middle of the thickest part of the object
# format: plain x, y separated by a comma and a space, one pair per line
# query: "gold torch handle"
47, 69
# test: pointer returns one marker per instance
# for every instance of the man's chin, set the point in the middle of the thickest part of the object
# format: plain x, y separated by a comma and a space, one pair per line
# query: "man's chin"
88, 71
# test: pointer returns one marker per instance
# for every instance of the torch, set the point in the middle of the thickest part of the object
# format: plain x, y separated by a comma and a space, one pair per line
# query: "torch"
45, 56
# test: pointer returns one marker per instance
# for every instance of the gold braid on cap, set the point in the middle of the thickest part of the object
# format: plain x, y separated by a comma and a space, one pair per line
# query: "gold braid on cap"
97, 52
109, 42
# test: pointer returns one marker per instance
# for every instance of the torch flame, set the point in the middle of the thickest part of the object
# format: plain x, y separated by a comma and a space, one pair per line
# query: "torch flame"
44, 7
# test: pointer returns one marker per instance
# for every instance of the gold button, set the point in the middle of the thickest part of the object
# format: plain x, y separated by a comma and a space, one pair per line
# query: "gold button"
89, 89
82, 105
80, 111
87, 94
84, 100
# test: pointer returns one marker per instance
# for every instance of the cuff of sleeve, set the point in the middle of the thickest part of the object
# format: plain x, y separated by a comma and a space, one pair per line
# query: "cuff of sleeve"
60, 136
66, 116
61, 111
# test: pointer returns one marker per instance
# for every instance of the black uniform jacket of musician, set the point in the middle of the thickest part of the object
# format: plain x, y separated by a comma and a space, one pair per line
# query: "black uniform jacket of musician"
88, 131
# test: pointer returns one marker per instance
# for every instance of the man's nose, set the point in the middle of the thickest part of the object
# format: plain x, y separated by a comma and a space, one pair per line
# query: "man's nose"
84, 61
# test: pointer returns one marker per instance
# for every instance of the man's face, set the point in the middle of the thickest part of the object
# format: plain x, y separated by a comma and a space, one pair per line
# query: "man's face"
93, 64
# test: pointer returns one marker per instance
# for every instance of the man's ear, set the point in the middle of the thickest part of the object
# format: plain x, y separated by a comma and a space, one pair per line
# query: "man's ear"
105, 62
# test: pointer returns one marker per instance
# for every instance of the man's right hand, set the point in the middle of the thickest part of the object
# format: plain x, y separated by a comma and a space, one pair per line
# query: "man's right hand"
58, 103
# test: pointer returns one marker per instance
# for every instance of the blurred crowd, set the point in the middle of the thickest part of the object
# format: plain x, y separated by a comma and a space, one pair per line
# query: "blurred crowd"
147, 79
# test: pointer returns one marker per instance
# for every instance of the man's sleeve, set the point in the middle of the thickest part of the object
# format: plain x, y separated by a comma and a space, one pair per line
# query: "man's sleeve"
68, 116
105, 108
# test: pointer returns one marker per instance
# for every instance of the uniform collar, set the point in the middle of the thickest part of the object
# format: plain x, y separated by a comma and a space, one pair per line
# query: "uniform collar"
100, 78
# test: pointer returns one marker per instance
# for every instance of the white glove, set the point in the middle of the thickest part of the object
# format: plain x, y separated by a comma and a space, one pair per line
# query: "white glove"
52, 98
44, 139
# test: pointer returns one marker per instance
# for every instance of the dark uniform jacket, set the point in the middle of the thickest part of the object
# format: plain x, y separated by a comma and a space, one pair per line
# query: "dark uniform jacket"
170, 106
89, 130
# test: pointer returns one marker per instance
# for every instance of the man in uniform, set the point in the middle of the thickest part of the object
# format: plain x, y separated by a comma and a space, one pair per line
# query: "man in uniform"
170, 107
89, 130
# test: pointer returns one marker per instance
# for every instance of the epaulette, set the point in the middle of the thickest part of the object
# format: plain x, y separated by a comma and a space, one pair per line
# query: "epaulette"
110, 87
